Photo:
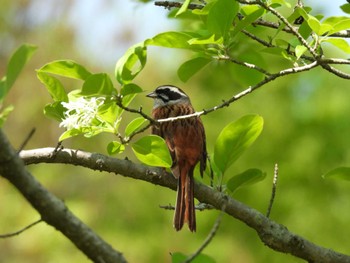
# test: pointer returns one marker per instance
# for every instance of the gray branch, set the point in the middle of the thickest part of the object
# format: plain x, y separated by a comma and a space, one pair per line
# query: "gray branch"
272, 234
52, 210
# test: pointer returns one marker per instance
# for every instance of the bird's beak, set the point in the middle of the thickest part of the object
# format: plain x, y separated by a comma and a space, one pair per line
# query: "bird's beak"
152, 95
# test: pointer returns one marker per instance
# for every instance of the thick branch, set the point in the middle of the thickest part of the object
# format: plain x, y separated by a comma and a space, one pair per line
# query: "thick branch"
271, 233
52, 210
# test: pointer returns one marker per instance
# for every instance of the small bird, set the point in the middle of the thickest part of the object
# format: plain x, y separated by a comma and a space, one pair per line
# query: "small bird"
186, 141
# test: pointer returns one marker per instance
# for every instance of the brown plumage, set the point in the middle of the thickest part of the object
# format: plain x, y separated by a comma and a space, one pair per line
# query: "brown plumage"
186, 142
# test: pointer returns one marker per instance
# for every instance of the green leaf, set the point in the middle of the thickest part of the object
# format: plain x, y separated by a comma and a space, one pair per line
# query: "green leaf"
134, 125
191, 67
183, 8
15, 65
66, 68
300, 50
69, 133
129, 89
4, 114
152, 150
337, 23
115, 147
98, 84
206, 40
220, 17
345, 8
339, 43
314, 24
55, 111
248, 177
235, 138
253, 13
171, 39
54, 86
338, 173
131, 63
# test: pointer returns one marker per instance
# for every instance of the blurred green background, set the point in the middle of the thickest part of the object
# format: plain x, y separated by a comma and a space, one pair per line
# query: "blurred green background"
306, 132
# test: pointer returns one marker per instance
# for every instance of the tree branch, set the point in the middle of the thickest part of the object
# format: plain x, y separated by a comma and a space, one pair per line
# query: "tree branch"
274, 235
52, 210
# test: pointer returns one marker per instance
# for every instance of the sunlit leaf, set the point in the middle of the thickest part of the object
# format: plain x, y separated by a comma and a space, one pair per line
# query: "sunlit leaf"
339, 43
98, 84
152, 150
248, 177
300, 50
206, 40
171, 39
134, 125
131, 63
115, 147
314, 24
342, 173
66, 68
191, 67
235, 138
54, 86
69, 133
183, 7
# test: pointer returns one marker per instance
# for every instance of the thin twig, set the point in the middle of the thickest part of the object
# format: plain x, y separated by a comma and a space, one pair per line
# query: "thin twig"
209, 238
171, 4
22, 230
24, 143
273, 191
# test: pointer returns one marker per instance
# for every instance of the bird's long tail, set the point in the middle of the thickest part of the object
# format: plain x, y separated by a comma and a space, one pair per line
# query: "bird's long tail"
185, 210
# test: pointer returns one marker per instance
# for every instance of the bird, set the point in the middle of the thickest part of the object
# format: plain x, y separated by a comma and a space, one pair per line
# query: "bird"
186, 141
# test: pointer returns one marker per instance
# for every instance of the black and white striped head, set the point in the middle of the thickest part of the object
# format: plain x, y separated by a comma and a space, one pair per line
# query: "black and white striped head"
168, 95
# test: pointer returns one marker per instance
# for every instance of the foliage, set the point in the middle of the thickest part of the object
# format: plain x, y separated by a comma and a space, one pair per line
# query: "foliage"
234, 41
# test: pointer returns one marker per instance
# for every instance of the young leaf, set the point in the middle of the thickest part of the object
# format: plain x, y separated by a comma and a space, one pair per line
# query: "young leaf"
338, 173
191, 67
69, 133
66, 68
115, 147
314, 24
134, 125
152, 150
131, 63
220, 17
171, 40
339, 43
235, 138
17, 62
98, 84
300, 50
54, 86
183, 7
248, 177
